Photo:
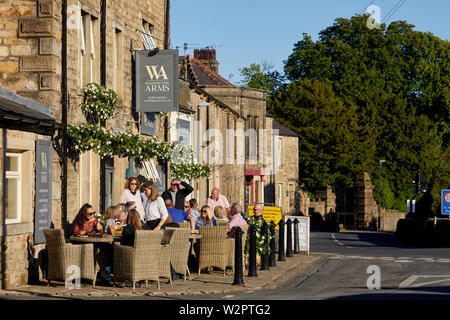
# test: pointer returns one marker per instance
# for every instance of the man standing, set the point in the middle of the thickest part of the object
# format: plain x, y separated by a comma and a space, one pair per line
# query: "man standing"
218, 199
179, 216
176, 194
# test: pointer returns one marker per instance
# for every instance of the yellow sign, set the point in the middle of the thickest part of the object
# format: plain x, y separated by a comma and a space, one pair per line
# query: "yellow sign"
269, 214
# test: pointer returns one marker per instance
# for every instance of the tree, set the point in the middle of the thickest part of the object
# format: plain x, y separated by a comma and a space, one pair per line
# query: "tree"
330, 148
390, 86
261, 76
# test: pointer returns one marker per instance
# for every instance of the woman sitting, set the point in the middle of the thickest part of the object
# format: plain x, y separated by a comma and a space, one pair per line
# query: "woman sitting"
206, 217
112, 218
220, 214
85, 222
133, 224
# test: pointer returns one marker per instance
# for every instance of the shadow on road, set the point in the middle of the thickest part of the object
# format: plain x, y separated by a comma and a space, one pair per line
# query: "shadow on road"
423, 293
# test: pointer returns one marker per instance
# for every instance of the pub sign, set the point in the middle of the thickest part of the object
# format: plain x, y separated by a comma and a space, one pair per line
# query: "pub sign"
156, 81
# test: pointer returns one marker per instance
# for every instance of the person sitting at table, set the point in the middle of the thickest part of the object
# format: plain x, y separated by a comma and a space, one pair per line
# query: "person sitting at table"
112, 219
179, 216
188, 209
236, 219
85, 223
220, 214
206, 217
123, 213
155, 211
133, 224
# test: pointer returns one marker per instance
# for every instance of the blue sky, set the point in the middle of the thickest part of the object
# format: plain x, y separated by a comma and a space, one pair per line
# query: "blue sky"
252, 31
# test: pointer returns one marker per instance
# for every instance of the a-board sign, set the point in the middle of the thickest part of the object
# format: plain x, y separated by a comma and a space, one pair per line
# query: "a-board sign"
303, 232
269, 214
43, 198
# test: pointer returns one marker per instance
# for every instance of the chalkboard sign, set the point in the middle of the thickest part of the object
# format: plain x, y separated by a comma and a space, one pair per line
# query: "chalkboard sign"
43, 199
303, 232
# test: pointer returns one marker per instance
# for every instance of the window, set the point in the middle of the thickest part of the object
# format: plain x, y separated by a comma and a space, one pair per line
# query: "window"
280, 196
13, 163
184, 131
118, 63
147, 38
89, 49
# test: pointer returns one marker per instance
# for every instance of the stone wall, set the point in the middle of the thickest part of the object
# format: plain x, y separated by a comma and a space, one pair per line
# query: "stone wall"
390, 218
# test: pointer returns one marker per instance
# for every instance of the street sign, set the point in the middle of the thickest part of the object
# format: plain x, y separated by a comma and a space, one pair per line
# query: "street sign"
269, 214
445, 201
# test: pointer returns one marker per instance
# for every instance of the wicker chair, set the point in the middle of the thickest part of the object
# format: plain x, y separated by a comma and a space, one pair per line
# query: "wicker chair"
184, 224
231, 247
179, 250
61, 255
213, 248
221, 222
140, 262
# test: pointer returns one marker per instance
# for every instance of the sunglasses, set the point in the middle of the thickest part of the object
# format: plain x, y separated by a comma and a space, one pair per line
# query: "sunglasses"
133, 184
186, 206
202, 211
90, 213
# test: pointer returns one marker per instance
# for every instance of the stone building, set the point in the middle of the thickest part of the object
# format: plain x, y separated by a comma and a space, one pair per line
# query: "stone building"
48, 54
255, 173
49, 64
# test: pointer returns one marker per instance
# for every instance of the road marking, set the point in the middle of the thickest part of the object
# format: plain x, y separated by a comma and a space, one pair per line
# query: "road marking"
229, 296
409, 281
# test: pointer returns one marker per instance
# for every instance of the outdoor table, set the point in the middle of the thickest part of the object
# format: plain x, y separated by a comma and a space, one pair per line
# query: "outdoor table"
103, 249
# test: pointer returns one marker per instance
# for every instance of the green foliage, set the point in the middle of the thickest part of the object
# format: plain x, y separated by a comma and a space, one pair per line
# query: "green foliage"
100, 104
389, 99
260, 76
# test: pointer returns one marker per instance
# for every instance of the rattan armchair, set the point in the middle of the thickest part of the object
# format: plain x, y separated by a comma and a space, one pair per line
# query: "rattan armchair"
221, 222
164, 257
141, 261
231, 248
179, 250
62, 255
213, 247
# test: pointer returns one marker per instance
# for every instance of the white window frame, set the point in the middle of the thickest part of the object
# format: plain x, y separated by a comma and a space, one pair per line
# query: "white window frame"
280, 195
16, 175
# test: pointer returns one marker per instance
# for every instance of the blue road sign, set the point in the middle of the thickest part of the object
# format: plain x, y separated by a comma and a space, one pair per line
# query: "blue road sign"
445, 206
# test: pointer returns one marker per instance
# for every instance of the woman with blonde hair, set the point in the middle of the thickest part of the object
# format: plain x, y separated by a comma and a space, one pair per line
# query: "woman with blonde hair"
220, 214
112, 218
156, 213
206, 217
132, 193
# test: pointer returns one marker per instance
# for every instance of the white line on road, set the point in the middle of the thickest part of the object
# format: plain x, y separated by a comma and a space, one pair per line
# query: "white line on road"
409, 281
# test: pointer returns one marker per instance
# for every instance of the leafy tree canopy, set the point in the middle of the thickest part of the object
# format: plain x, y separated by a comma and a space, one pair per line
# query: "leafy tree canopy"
359, 95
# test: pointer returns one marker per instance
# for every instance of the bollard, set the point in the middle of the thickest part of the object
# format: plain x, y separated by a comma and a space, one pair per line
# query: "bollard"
272, 262
281, 253
238, 269
296, 240
265, 257
289, 239
252, 253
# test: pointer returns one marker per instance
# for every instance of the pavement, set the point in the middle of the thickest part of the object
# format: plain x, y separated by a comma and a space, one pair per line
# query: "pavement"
205, 283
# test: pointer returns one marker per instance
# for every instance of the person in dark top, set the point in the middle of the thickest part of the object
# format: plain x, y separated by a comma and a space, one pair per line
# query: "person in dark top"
179, 216
133, 224
176, 194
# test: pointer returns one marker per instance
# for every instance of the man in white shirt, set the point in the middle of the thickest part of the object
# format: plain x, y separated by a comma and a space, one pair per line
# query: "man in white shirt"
218, 199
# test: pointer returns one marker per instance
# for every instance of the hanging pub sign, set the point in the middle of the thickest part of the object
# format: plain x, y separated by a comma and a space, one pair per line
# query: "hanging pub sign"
156, 80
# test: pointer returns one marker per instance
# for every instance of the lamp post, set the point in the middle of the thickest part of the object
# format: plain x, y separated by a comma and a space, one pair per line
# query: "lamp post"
381, 196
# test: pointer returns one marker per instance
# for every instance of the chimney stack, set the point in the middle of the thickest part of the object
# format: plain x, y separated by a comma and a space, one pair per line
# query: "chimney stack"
208, 58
